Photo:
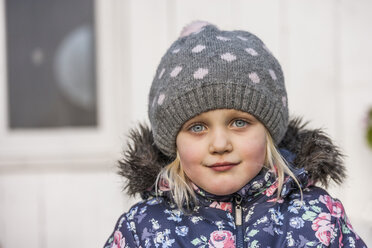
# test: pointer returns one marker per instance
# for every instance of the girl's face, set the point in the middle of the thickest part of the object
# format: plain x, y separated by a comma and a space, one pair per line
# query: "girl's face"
222, 150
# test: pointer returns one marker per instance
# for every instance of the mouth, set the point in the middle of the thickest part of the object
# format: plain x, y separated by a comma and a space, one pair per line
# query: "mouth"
222, 166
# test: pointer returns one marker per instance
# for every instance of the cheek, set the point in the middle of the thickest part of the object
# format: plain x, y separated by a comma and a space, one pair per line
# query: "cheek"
189, 162
190, 152
261, 150
186, 156
255, 150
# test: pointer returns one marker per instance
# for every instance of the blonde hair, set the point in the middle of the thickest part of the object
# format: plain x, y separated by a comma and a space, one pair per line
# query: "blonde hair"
275, 161
181, 187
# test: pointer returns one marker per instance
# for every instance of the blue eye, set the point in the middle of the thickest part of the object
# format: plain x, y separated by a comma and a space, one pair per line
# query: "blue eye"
197, 128
240, 123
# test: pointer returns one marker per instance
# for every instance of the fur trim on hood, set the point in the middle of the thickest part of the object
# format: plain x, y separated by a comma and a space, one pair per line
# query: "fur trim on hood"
313, 150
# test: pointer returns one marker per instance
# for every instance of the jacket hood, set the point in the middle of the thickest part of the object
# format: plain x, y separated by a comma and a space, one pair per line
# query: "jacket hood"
311, 150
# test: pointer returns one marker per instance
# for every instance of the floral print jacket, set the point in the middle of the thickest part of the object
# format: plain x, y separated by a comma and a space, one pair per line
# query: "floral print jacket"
252, 217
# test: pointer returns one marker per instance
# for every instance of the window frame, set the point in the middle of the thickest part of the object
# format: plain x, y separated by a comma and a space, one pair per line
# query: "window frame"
72, 146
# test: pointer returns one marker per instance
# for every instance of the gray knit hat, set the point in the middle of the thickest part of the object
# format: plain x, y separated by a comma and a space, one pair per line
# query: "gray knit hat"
214, 69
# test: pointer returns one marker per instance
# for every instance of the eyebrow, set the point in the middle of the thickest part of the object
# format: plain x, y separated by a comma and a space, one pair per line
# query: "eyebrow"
242, 114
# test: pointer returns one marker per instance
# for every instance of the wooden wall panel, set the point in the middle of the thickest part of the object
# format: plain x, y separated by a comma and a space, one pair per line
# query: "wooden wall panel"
261, 18
310, 62
355, 42
82, 208
184, 12
356, 87
22, 221
148, 41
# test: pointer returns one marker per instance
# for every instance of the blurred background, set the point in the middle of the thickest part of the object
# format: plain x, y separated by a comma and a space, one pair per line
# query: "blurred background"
74, 77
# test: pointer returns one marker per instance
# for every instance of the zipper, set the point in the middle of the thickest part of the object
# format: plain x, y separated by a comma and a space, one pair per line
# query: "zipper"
239, 221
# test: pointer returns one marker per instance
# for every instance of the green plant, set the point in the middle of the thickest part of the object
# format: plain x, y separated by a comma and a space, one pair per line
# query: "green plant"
369, 128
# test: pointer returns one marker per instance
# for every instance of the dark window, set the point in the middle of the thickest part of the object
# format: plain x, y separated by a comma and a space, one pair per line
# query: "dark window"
51, 63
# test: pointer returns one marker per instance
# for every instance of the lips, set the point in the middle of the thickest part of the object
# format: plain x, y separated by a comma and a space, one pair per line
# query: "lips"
222, 166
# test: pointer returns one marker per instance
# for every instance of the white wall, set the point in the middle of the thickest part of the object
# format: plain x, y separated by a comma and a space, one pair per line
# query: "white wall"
324, 48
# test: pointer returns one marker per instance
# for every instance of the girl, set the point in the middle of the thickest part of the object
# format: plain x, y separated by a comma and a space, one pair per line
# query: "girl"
222, 166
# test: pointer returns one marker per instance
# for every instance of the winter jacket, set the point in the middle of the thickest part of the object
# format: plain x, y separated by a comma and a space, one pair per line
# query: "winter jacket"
251, 217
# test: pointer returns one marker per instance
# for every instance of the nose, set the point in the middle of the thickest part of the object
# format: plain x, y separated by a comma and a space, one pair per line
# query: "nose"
220, 142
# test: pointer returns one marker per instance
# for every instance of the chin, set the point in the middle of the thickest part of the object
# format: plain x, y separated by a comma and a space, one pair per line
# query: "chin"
226, 191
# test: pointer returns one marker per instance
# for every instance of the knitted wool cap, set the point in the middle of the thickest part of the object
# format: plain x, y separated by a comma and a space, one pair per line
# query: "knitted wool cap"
211, 69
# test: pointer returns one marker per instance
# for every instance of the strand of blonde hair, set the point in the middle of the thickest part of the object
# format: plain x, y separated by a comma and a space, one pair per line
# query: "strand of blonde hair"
279, 165
179, 184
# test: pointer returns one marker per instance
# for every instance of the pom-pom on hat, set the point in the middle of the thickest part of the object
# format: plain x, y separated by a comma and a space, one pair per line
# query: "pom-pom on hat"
206, 69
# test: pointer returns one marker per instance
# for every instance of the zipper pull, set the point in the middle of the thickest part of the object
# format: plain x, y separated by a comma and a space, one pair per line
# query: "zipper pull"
238, 210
